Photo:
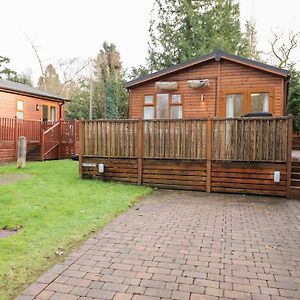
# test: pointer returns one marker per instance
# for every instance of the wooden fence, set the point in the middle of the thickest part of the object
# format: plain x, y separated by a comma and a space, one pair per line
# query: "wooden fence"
34, 131
228, 155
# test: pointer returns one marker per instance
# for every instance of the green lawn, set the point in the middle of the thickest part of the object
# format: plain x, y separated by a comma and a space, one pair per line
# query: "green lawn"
57, 210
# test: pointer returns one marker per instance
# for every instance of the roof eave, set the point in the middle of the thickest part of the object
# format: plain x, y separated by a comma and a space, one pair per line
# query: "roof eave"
217, 55
34, 95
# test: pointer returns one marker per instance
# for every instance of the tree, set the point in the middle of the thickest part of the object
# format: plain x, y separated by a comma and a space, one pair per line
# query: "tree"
282, 48
78, 108
50, 81
111, 96
183, 29
21, 78
138, 72
248, 46
5, 72
9, 74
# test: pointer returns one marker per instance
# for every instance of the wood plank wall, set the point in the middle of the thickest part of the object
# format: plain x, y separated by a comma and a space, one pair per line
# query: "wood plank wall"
174, 154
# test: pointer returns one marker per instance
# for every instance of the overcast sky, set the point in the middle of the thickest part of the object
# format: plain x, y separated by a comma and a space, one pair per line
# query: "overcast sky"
74, 28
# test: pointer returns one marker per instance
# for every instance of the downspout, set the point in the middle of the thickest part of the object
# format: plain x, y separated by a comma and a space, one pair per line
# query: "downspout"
60, 106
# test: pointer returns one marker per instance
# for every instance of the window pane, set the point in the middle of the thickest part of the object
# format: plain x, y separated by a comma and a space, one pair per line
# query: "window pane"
20, 105
162, 106
52, 114
234, 105
45, 112
176, 112
20, 115
148, 99
148, 112
176, 99
260, 102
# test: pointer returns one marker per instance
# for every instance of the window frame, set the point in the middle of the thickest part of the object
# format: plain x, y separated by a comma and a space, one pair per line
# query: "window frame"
170, 104
19, 110
247, 98
50, 114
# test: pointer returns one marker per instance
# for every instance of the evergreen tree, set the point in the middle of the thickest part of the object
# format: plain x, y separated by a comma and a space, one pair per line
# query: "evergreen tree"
293, 105
248, 46
78, 108
111, 96
184, 29
50, 81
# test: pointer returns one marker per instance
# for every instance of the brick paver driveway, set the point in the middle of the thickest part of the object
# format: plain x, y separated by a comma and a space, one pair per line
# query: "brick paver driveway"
186, 245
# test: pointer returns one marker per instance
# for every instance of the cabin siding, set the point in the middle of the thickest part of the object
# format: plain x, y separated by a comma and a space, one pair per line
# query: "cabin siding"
233, 77
8, 106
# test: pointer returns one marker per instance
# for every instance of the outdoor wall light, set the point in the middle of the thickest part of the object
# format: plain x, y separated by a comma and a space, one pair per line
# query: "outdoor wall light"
37, 107
202, 97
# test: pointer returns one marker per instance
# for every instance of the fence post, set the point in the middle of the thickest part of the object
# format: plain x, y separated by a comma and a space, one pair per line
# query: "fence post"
81, 145
140, 151
16, 137
208, 155
59, 139
74, 138
42, 146
289, 156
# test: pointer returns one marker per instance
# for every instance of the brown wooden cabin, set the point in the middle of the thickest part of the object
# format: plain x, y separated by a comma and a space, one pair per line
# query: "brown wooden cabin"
215, 85
24, 102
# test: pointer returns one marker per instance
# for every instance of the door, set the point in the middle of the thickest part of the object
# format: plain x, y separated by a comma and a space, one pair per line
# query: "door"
45, 112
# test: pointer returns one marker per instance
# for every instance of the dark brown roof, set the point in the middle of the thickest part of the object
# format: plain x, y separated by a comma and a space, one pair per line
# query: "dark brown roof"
217, 55
25, 89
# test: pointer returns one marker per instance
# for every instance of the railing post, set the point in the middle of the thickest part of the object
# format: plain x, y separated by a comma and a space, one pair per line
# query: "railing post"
140, 151
59, 139
74, 138
81, 146
289, 155
16, 138
208, 155
42, 145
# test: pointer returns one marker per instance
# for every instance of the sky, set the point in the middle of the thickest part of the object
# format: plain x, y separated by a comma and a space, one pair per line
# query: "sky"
62, 29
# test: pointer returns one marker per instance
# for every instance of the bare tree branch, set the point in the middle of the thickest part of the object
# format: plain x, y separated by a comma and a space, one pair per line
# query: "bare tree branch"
281, 50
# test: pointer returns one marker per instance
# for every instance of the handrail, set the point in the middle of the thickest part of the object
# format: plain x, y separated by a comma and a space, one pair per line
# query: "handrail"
51, 128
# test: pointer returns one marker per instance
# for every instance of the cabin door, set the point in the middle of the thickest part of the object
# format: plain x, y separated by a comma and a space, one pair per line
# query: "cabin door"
45, 112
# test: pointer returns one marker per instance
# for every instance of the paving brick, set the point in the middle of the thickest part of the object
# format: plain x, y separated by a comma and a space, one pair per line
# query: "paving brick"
162, 293
177, 245
122, 296
202, 297
61, 296
34, 289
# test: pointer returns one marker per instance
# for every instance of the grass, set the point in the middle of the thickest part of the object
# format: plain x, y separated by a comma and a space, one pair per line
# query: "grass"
56, 209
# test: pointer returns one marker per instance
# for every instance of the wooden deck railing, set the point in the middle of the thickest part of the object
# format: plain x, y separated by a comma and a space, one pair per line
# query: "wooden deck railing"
50, 140
239, 139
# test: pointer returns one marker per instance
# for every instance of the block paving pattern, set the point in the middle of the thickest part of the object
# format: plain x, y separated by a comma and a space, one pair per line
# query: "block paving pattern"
185, 246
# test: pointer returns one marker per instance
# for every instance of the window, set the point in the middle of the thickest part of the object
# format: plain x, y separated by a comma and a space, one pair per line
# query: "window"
148, 112
45, 110
163, 106
52, 114
20, 110
234, 105
260, 102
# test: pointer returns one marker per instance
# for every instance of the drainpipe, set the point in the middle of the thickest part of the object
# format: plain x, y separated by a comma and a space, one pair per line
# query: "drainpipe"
60, 106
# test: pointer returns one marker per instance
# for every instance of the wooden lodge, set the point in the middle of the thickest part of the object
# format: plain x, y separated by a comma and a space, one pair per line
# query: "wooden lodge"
187, 130
37, 115
215, 85
24, 102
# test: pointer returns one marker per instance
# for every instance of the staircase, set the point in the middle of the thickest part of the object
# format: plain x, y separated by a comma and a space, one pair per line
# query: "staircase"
295, 180
33, 152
